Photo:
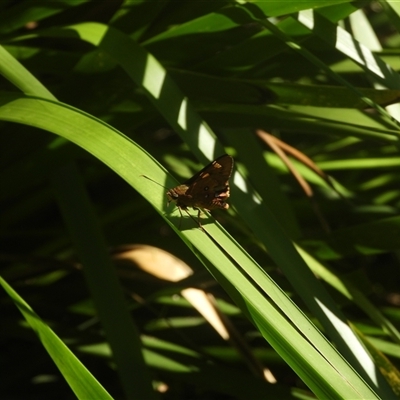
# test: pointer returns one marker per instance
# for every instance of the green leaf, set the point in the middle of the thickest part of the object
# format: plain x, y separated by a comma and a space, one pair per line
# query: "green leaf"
81, 381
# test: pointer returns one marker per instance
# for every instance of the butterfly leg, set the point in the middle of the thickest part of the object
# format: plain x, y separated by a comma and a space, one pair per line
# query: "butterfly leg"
198, 217
180, 212
191, 216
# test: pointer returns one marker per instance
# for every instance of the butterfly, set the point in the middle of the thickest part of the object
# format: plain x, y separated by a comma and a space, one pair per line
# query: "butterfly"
208, 189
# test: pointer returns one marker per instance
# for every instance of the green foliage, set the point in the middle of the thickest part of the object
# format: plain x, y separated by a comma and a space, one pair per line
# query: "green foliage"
93, 92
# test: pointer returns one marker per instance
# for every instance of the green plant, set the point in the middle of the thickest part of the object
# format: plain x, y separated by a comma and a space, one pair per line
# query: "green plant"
186, 80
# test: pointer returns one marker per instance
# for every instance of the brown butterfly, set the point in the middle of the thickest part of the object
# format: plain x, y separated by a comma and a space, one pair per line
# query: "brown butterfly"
208, 189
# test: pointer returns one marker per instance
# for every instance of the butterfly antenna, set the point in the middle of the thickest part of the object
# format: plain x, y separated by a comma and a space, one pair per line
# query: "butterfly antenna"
159, 184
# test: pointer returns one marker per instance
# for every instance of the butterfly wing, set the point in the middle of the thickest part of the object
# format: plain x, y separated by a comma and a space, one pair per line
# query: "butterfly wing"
209, 188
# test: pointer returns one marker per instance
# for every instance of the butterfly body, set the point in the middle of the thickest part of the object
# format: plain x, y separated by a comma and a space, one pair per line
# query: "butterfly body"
208, 189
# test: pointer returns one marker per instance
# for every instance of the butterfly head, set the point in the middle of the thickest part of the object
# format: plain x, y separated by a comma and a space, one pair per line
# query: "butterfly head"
176, 193
172, 195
